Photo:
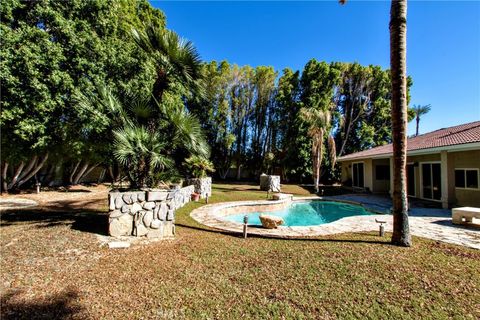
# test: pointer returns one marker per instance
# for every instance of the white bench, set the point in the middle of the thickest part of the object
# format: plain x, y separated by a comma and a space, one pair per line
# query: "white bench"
467, 213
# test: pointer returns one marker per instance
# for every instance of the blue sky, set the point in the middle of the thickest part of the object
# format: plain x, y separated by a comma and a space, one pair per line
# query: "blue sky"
443, 43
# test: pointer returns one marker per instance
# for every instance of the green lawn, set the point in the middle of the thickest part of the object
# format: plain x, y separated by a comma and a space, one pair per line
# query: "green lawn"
206, 274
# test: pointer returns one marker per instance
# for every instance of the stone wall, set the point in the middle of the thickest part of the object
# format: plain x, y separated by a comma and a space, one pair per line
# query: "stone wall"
270, 183
203, 186
146, 213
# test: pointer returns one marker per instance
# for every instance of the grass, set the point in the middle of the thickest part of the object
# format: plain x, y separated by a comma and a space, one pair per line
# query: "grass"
52, 266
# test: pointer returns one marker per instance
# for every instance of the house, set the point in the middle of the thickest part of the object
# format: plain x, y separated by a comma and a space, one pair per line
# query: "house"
442, 166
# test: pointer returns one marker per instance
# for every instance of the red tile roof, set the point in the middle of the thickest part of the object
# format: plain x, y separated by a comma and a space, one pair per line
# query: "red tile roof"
462, 134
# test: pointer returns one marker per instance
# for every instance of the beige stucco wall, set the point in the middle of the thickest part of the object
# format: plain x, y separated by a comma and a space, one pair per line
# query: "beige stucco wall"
466, 160
451, 196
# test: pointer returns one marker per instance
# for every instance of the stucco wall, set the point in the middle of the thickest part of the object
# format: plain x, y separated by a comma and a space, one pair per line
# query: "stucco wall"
470, 160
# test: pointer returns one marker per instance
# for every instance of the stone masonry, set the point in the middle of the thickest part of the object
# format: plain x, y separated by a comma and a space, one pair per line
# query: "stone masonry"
270, 183
203, 186
148, 213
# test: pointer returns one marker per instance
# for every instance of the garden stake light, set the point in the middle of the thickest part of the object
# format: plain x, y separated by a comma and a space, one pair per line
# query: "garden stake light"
245, 224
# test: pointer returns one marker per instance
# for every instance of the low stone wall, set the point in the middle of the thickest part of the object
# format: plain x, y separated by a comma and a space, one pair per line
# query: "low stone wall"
203, 186
146, 213
270, 183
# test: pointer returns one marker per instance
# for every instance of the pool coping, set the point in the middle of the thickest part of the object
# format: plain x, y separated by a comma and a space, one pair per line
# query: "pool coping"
210, 215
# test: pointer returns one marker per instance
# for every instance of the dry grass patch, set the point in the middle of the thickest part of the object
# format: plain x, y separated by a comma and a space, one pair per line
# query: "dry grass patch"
53, 267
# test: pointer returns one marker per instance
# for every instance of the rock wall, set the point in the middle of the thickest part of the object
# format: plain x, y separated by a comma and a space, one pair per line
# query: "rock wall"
270, 183
146, 213
203, 186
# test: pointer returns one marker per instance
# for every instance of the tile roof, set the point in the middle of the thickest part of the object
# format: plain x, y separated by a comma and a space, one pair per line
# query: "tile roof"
461, 134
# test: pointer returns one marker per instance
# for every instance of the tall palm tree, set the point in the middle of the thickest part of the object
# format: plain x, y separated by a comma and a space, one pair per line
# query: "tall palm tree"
398, 66
318, 122
176, 59
420, 111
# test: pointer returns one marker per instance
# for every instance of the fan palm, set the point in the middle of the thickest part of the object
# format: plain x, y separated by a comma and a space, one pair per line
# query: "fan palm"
318, 122
176, 59
199, 166
420, 111
146, 133
140, 152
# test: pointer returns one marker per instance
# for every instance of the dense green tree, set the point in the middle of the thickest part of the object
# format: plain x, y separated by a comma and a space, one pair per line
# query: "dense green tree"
50, 49
294, 147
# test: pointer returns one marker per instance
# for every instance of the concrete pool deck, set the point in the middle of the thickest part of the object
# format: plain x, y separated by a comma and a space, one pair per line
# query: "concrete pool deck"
431, 223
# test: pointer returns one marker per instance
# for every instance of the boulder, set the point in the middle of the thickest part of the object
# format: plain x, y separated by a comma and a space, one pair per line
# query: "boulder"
162, 211
127, 198
121, 226
118, 202
141, 196
125, 208
149, 205
135, 208
115, 214
160, 195
170, 214
141, 230
156, 224
148, 218
111, 200
270, 222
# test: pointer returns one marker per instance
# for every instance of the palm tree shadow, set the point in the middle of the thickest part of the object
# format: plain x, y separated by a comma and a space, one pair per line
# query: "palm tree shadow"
63, 305
306, 239
91, 221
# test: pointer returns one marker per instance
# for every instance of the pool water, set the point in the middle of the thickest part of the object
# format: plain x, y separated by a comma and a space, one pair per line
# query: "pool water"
309, 213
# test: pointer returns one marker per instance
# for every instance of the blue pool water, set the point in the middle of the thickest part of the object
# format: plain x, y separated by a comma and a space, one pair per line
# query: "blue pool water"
309, 213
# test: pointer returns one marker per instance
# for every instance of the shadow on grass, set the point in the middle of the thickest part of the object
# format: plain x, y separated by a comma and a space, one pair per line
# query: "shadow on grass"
58, 306
240, 235
229, 189
85, 220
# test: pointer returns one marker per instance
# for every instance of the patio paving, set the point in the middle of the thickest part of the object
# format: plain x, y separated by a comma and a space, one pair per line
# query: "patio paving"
432, 223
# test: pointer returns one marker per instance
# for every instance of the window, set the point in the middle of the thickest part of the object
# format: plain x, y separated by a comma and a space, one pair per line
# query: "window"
382, 172
466, 178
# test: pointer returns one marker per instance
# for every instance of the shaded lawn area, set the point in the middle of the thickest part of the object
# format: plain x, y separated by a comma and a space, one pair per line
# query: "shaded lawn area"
53, 267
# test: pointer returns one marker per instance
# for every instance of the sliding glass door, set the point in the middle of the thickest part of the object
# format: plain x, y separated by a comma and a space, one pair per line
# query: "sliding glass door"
358, 175
431, 181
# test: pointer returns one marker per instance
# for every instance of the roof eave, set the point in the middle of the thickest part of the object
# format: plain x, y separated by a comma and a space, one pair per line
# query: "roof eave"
450, 148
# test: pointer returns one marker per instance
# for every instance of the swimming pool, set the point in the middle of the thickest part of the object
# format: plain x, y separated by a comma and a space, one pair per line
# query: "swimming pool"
308, 213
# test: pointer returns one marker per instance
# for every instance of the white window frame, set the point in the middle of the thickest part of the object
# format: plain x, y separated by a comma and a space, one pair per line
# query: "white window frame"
465, 175
357, 162
431, 177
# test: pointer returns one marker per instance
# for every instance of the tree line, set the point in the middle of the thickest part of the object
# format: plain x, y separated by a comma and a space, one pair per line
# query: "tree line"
258, 120
104, 84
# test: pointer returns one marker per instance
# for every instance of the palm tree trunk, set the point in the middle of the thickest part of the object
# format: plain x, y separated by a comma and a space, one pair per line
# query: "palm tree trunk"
398, 65
418, 124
